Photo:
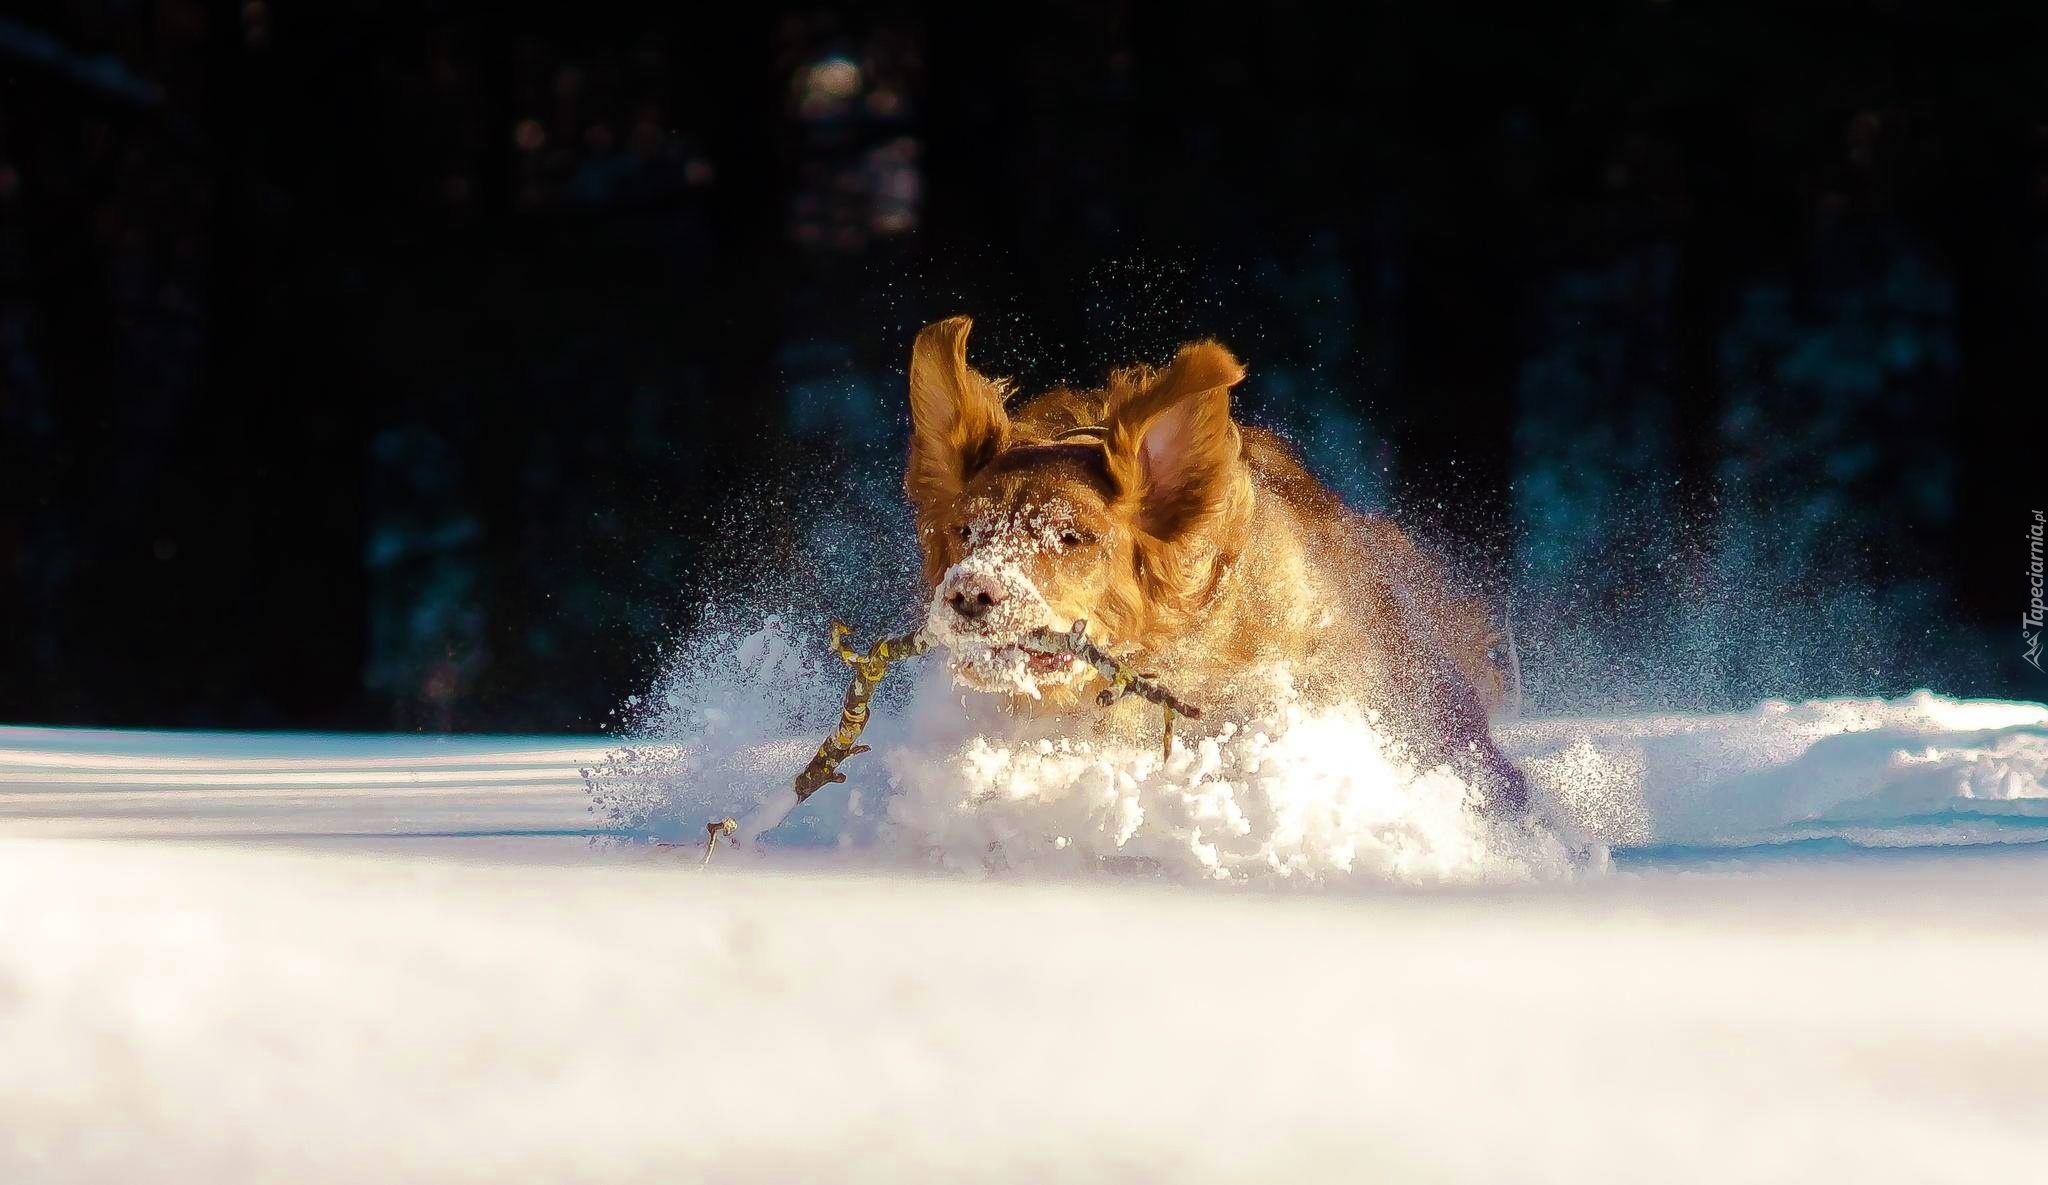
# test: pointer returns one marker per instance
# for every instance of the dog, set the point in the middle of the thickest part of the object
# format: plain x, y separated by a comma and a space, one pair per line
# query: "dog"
1194, 546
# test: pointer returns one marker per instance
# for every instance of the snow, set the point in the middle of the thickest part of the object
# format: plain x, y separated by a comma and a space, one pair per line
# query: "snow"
1865, 771
222, 1013
1311, 795
1291, 792
290, 787
983, 654
1293, 795
320, 958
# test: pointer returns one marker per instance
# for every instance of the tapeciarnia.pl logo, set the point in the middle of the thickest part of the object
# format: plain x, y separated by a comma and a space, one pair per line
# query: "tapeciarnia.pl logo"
2030, 622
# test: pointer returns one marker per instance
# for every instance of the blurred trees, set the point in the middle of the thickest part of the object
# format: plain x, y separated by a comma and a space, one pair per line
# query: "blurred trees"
415, 365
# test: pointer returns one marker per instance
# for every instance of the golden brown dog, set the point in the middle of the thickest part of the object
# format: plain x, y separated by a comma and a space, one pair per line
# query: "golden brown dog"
1196, 546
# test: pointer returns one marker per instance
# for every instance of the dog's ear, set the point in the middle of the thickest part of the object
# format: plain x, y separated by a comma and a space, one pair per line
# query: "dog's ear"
957, 422
1171, 444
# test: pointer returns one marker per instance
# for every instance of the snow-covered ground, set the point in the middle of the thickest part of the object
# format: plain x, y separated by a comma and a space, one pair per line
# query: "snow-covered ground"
1814, 955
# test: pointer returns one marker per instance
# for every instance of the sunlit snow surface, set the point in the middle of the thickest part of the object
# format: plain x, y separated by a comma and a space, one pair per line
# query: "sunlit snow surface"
1814, 956
1288, 793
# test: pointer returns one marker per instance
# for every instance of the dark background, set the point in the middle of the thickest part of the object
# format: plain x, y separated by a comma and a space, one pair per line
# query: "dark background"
429, 365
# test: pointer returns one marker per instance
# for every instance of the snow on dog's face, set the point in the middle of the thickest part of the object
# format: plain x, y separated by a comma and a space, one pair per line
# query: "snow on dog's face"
1031, 544
1025, 526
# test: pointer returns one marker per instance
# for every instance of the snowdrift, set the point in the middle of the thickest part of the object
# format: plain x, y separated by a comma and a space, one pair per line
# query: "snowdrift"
339, 959
222, 1013
1316, 796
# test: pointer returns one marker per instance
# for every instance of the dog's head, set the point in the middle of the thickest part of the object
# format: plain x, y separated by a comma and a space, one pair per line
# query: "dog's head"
1118, 523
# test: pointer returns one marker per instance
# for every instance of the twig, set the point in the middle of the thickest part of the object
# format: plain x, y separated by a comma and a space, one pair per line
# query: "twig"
1122, 680
711, 833
868, 670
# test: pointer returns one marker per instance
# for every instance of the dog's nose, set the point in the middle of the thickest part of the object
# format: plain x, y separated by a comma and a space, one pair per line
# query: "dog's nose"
973, 595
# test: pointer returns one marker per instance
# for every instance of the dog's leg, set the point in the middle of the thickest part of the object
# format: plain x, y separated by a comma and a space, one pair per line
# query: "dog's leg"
1505, 792
1447, 721
1456, 720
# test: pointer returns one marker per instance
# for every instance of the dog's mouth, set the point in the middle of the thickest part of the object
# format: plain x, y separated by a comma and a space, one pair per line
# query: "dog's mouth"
1035, 662
1009, 668
985, 648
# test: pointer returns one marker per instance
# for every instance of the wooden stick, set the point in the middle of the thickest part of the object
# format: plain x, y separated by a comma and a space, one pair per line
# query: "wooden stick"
868, 670
1122, 680
711, 833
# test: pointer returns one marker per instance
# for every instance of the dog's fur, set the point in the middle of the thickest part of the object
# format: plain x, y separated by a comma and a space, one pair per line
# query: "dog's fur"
1198, 546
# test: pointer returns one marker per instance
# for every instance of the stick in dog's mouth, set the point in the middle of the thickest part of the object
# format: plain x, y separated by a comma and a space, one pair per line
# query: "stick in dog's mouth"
987, 650
1070, 649
1010, 667
1056, 650
1039, 663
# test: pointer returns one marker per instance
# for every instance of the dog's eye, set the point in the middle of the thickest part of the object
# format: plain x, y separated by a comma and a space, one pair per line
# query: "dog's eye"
1073, 538
964, 533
